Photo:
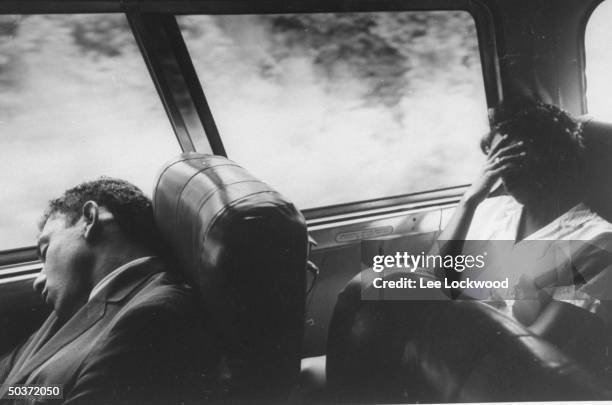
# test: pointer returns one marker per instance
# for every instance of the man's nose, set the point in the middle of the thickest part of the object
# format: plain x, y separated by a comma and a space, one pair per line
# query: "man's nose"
39, 282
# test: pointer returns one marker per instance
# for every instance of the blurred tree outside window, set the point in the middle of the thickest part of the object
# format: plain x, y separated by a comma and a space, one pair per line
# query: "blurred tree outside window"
76, 103
337, 108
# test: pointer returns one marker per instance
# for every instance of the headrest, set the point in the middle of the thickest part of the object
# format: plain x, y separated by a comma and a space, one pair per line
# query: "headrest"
598, 142
244, 246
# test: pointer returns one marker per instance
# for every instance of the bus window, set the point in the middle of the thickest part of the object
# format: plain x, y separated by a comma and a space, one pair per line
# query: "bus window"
599, 62
76, 102
337, 108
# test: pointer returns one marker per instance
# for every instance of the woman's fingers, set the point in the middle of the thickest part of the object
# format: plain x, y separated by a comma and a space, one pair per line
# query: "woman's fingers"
502, 160
514, 148
502, 142
505, 168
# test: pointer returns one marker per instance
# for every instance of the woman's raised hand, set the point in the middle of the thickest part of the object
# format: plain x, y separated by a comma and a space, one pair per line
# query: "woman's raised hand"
503, 157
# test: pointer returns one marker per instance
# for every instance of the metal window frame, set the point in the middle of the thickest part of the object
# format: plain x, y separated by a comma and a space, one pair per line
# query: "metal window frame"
154, 25
161, 44
486, 33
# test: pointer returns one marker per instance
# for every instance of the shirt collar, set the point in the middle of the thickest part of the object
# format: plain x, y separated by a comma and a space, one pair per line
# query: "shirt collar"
565, 224
577, 215
571, 219
114, 274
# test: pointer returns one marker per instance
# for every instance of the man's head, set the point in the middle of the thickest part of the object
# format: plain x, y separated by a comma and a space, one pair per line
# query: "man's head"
552, 142
92, 225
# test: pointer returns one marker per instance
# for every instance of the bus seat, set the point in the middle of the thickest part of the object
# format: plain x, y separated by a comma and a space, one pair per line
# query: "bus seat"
244, 247
443, 351
598, 143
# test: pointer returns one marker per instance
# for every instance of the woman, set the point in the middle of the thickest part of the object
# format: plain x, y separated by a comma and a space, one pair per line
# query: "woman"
428, 347
535, 150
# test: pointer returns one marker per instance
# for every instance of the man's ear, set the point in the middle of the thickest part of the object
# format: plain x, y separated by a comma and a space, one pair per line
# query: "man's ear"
91, 212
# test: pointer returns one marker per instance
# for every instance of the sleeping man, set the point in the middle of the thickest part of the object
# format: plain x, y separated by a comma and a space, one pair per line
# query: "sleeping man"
123, 328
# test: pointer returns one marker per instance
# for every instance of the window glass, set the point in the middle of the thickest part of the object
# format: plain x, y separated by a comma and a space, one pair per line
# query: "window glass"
599, 62
76, 103
336, 108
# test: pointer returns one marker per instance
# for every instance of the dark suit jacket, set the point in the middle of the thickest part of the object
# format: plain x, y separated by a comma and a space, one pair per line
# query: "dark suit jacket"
132, 343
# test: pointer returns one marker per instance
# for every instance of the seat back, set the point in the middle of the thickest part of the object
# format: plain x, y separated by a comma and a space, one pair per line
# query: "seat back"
443, 351
244, 247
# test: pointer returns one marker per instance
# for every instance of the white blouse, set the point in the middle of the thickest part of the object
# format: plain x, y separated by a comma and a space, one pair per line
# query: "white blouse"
570, 258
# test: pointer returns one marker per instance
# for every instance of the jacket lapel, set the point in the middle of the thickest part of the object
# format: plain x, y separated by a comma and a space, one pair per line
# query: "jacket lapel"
117, 290
32, 345
84, 319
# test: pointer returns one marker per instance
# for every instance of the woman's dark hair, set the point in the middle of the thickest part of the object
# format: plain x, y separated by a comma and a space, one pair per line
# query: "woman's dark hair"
554, 134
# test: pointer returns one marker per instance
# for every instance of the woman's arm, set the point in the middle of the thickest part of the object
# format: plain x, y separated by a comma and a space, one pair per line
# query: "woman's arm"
451, 239
503, 157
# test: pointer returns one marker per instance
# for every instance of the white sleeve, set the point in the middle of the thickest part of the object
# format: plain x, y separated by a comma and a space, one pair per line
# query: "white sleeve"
485, 223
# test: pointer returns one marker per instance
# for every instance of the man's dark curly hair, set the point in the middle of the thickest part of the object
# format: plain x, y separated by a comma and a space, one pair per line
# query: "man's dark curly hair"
132, 210
552, 132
